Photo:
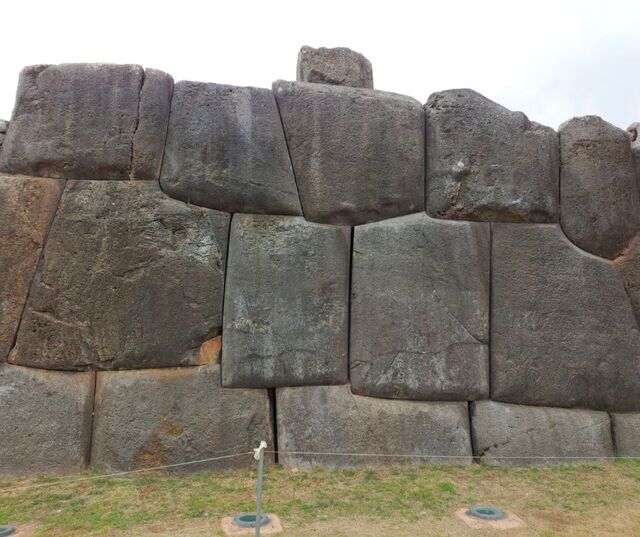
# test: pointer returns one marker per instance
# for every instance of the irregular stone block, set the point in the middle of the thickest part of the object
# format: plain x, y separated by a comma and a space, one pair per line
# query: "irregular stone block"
339, 66
487, 163
515, 435
357, 154
599, 191
130, 278
226, 150
286, 303
420, 309
27, 205
45, 422
4, 125
563, 331
626, 434
628, 263
159, 417
330, 419
632, 133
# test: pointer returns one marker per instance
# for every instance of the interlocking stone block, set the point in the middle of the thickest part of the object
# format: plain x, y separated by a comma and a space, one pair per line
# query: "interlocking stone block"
339, 66
626, 434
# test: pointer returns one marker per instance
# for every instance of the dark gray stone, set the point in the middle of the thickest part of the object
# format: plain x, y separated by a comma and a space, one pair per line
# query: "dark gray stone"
226, 150
4, 125
626, 434
628, 263
563, 331
420, 309
357, 154
598, 188
286, 303
339, 66
159, 417
515, 435
330, 419
130, 278
487, 163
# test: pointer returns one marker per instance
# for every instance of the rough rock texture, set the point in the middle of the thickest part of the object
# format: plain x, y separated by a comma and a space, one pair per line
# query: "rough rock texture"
628, 263
420, 309
330, 419
226, 150
45, 421
160, 417
339, 66
286, 303
130, 278
487, 163
357, 154
515, 435
632, 133
563, 331
27, 206
4, 125
598, 187
626, 434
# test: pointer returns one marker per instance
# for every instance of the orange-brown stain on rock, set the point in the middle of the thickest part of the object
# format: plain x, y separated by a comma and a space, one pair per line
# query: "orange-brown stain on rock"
209, 352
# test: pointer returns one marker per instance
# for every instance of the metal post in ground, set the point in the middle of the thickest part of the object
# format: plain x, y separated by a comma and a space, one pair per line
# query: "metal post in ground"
259, 456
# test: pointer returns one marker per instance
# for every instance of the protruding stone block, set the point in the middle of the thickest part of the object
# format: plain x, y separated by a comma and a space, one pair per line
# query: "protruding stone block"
130, 278
286, 303
330, 419
339, 66
159, 417
487, 163
357, 154
626, 434
628, 263
226, 150
598, 187
563, 331
420, 309
515, 435
632, 133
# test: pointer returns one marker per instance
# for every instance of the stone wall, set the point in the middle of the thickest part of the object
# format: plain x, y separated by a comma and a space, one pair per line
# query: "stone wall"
190, 268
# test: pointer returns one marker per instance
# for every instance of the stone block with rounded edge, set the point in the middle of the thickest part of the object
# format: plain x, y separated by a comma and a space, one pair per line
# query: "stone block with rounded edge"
286, 303
226, 150
45, 421
332, 420
338, 66
159, 417
487, 163
563, 332
420, 309
598, 188
628, 263
130, 278
516, 435
357, 154
626, 434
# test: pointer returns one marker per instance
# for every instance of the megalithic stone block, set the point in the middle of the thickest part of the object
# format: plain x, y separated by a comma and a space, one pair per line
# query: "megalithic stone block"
339, 66
626, 434
487, 163
357, 154
628, 263
286, 303
420, 309
130, 278
226, 150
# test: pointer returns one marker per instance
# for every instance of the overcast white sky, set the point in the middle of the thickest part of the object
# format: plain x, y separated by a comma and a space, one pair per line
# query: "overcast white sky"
551, 59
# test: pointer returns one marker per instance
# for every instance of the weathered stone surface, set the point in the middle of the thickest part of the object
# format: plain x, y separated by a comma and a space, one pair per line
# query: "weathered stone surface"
626, 434
330, 419
339, 66
632, 133
27, 205
286, 303
226, 150
158, 417
563, 331
45, 421
628, 263
4, 125
130, 278
357, 154
598, 188
487, 163
515, 435
420, 309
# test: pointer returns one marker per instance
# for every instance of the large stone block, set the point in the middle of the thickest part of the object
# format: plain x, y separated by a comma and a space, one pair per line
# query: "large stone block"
286, 303
339, 66
628, 263
487, 163
45, 421
515, 435
563, 331
130, 278
626, 434
158, 417
357, 154
226, 150
27, 205
598, 187
331, 420
420, 309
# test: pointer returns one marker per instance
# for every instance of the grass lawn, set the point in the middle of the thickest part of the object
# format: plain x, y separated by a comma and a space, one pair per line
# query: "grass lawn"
580, 501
